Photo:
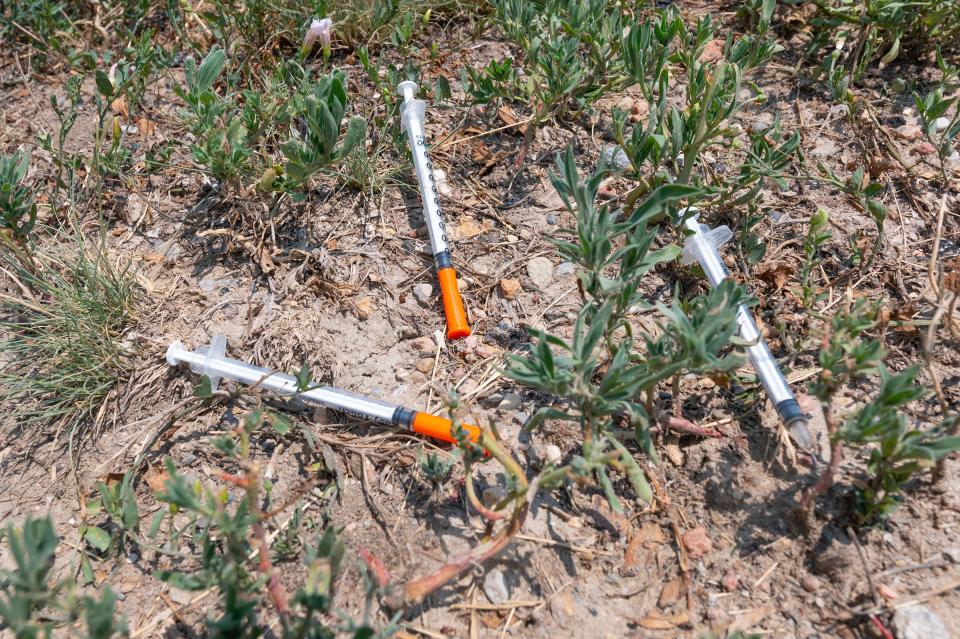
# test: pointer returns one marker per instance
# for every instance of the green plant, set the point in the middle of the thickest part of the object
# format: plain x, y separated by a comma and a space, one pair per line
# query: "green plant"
668, 146
315, 146
862, 193
61, 333
436, 469
897, 452
45, 25
18, 211
881, 30
601, 375
817, 236
118, 502
67, 164
30, 601
235, 553
570, 59
900, 452
940, 126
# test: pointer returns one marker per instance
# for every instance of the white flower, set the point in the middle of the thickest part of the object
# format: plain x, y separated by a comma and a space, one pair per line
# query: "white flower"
319, 29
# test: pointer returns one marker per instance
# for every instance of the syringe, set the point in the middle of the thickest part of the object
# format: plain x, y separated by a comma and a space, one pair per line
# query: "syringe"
411, 115
701, 246
210, 361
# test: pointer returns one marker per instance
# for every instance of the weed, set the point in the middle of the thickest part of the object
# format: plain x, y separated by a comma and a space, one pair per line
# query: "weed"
61, 333
18, 211
315, 146
230, 532
862, 193
67, 164
30, 600
816, 237
940, 127
599, 374
844, 356
881, 30
897, 452
43, 24
668, 146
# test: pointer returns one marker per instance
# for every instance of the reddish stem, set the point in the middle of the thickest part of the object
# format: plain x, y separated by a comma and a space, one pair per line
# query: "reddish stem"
805, 507
682, 425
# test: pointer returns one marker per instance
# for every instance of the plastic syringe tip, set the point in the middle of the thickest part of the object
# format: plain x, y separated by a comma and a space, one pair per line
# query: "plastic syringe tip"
408, 89
801, 434
175, 352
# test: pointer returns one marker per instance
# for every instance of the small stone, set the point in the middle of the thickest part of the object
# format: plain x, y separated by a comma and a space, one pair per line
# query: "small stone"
941, 123
363, 308
492, 401
887, 592
425, 364
423, 292
552, 453
697, 542
181, 597
835, 560
918, 622
712, 51
510, 401
495, 587
730, 581
953, 554
924, 148
492, 495
909, 132
564, 268
540, 271
811, 583
552, 219
509, 288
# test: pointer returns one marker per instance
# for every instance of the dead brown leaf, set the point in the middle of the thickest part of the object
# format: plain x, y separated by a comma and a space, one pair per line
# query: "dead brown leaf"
156, 478
508, 117
646, 536
659, 621
777, 273
749, 618
672, 591
119, 106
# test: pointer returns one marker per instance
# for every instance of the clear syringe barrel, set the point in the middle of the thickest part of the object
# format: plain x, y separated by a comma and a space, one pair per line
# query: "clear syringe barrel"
412, 114
701, 246
217, 366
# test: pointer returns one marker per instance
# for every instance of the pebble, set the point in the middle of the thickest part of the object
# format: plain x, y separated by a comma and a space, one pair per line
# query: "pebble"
730, 581
425, 364
925, 148
423, 292
495, 587
811, 583
697, 542
551, 219
540, 271
510, 401
953, 554
909, 132
564, 268
509, 288
553, 453
918, 622
941, 123
492, 495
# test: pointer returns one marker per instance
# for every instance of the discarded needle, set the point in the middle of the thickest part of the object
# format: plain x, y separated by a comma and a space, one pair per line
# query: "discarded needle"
210, 361
411, 114
701, 246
